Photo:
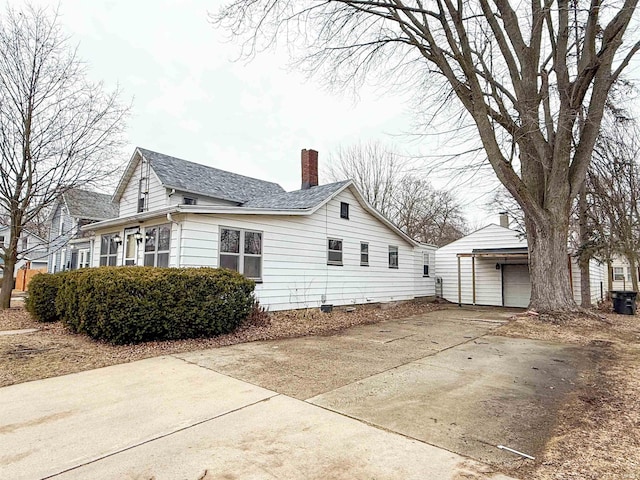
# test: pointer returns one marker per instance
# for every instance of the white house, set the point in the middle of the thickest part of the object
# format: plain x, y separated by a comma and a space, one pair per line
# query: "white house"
32, 250
491, 267
322, 244
69, 248
621, 273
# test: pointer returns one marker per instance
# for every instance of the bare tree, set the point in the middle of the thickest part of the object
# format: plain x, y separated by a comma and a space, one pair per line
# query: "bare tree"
512, 66
397, 190
58, 130
613, 187
375, 169
427, 214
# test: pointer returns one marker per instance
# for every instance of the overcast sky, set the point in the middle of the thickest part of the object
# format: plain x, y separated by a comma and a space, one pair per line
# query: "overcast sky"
193, 101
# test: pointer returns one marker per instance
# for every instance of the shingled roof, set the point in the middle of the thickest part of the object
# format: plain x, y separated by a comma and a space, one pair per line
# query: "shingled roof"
298, 199
90, 205
200, 179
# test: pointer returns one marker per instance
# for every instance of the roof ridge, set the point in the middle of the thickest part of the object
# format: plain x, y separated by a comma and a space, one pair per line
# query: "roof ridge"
202, 165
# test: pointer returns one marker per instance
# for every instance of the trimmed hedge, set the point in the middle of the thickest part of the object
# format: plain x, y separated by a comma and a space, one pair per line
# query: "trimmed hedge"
41, 301
136, 304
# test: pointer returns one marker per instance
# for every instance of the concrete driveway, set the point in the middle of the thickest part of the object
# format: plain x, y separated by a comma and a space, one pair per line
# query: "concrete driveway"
426, 397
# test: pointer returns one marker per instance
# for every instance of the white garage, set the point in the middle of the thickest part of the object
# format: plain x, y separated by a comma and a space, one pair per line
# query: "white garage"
491, 267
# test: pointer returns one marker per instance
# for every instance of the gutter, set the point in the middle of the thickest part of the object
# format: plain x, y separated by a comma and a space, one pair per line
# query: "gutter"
213, 209
139, 217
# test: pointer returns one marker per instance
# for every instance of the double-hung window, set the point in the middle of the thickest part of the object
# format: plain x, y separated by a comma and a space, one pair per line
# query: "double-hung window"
393, 256
157, 243
108, 250
334, 251
364, 254
241, 250
618, 274
425, 264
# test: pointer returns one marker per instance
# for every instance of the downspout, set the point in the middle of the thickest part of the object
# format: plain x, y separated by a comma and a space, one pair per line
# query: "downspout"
179, 246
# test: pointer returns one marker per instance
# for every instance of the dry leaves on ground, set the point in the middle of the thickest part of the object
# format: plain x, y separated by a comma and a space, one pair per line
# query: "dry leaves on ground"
54, 351
598, 434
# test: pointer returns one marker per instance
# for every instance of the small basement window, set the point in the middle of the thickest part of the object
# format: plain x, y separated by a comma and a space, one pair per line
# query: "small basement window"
393, 256
334, 251
364, 254
425, 264
188, 201
344, 210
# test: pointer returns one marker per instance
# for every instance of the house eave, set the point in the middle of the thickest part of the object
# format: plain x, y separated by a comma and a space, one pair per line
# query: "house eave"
194, 209
138, 217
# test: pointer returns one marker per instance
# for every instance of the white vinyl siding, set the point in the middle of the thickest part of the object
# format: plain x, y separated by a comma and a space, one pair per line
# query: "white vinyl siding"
156, 198
295, 272
597, 274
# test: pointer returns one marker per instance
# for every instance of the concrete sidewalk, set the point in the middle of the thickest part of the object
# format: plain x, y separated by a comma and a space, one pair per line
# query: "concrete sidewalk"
164, 418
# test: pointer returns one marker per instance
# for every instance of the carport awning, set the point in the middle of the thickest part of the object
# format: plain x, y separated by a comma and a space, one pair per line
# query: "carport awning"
497, 253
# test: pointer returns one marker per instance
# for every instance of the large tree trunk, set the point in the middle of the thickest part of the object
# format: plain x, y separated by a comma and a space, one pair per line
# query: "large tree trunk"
7, 282
548, 266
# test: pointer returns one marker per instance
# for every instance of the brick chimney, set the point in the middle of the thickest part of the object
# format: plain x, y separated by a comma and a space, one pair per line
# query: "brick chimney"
504, 219
309, 168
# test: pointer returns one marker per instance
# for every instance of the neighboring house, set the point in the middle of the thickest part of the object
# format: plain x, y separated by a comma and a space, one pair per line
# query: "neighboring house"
32, 250
322, 244
70, 248
491, 267
621, 273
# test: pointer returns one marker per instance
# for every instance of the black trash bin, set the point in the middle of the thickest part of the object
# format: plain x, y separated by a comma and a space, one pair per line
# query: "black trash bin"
624, 301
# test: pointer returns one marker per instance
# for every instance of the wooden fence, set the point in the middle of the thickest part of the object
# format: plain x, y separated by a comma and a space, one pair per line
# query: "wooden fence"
24, 277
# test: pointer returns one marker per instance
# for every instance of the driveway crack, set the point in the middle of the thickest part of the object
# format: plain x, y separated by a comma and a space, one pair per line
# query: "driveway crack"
158, 437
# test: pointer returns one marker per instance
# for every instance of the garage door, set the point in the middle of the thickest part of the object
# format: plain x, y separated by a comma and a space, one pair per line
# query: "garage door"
516, 286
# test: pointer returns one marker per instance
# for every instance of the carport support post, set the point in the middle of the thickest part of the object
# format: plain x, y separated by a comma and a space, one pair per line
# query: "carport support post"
459, 285
473, 278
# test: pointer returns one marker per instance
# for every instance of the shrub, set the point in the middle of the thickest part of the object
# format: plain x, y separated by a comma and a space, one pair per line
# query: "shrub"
136, 304
41, 301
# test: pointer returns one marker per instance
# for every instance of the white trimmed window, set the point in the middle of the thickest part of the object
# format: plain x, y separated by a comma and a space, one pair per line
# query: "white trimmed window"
393, 256
157, 242
108, 250
241, 250
344, 210
334, 251
425, 264
364, 254
618, 274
